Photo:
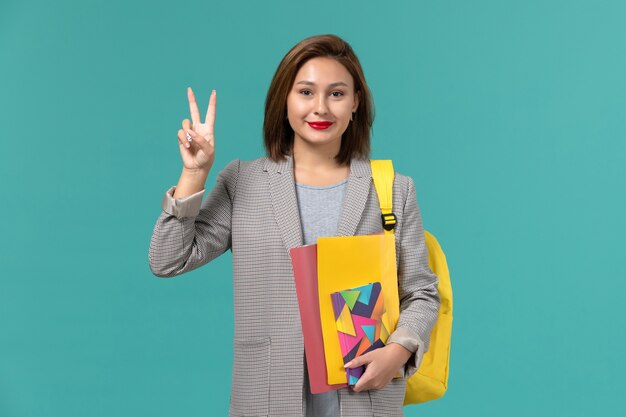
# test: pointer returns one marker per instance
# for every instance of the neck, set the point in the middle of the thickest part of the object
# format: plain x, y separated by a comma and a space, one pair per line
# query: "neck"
314, 158
316, 165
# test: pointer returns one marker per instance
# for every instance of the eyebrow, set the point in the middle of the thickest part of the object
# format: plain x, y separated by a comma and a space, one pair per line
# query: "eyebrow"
338, 83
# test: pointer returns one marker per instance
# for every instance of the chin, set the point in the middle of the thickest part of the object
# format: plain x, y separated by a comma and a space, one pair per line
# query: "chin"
317, 141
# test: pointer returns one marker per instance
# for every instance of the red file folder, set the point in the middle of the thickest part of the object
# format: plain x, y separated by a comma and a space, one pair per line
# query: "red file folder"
304, 261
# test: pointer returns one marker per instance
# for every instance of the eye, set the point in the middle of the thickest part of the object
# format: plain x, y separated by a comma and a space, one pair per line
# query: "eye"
337, 93
306, 92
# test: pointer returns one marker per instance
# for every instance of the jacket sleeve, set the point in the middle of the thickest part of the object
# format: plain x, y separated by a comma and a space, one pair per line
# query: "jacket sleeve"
190, 232
417, 286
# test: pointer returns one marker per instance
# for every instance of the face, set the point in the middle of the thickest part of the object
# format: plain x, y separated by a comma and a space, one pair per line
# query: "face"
322, 92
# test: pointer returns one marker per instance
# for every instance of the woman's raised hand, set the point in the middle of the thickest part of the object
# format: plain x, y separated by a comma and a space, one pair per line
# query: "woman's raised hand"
199, 153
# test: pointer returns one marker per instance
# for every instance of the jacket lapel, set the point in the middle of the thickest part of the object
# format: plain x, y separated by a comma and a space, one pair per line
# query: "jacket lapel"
284, 200
285, 204
359, 184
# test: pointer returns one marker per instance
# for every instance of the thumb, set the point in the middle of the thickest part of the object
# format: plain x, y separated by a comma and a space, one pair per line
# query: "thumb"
360, 360
201, 142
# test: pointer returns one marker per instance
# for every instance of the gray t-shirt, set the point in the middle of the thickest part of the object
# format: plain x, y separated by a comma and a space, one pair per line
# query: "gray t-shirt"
320, 208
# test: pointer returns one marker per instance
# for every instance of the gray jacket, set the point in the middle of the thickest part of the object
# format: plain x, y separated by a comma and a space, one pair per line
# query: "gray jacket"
253, 211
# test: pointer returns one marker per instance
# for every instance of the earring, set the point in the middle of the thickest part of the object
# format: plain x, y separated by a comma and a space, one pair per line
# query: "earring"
352, 116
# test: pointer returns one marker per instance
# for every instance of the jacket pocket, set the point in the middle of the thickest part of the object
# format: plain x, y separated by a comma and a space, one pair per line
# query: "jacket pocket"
388, 402
251, 377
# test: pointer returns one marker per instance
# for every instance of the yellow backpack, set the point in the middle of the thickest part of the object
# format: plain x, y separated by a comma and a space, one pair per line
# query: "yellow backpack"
431, 379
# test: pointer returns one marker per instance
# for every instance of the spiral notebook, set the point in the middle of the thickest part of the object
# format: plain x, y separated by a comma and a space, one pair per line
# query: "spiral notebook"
358, 317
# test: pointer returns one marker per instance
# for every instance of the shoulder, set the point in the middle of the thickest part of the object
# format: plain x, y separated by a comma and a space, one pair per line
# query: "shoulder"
238, 172
401, 179
403, 184
238, 167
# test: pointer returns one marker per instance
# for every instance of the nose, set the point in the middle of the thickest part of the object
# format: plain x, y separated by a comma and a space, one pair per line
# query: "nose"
320, 105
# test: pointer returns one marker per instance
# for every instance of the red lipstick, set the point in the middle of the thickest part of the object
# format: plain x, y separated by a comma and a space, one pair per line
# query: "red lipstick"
320, 125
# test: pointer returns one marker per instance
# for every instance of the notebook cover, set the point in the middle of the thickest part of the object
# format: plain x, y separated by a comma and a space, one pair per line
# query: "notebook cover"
304, 262
358, 317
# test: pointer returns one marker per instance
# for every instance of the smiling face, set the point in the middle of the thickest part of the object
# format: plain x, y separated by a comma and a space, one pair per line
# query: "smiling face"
322, 92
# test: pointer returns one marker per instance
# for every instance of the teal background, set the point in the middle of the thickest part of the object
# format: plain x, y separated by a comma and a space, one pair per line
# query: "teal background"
508, 115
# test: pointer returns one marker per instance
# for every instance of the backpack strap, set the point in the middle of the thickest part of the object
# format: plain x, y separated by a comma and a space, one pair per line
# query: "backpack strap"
382, 173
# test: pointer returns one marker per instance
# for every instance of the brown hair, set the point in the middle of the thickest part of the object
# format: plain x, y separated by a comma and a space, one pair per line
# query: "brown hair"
277, 132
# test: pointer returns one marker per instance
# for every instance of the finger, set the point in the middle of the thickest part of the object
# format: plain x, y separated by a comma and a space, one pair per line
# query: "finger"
363, 383
210, 113
187, 125
193, 106
358, 361
197, 140
183, 139
182, 147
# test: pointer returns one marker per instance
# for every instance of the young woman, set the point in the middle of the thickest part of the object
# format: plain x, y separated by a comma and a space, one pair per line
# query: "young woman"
315, 181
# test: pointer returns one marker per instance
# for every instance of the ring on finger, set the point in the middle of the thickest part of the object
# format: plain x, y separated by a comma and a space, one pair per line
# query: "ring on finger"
188, 136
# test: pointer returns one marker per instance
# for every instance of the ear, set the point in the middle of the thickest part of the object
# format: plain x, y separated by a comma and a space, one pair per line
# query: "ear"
357, 99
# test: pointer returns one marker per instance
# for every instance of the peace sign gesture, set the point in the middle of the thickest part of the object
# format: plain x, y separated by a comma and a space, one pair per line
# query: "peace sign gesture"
198, 152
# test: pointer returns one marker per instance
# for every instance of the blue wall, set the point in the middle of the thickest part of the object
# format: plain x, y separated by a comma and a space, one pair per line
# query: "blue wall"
508, 115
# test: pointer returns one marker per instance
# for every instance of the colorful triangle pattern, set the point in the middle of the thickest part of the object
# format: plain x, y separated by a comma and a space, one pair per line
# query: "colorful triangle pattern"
351, 297
344, 322
362, 323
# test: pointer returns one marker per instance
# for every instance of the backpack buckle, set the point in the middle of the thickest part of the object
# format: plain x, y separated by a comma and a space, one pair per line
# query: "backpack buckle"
389, 221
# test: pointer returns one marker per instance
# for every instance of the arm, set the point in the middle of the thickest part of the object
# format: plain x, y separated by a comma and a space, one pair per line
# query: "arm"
417, 285
190, 232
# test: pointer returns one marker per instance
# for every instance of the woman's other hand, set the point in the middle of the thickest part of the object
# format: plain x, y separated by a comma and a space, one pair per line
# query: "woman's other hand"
381, 365
198, 153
